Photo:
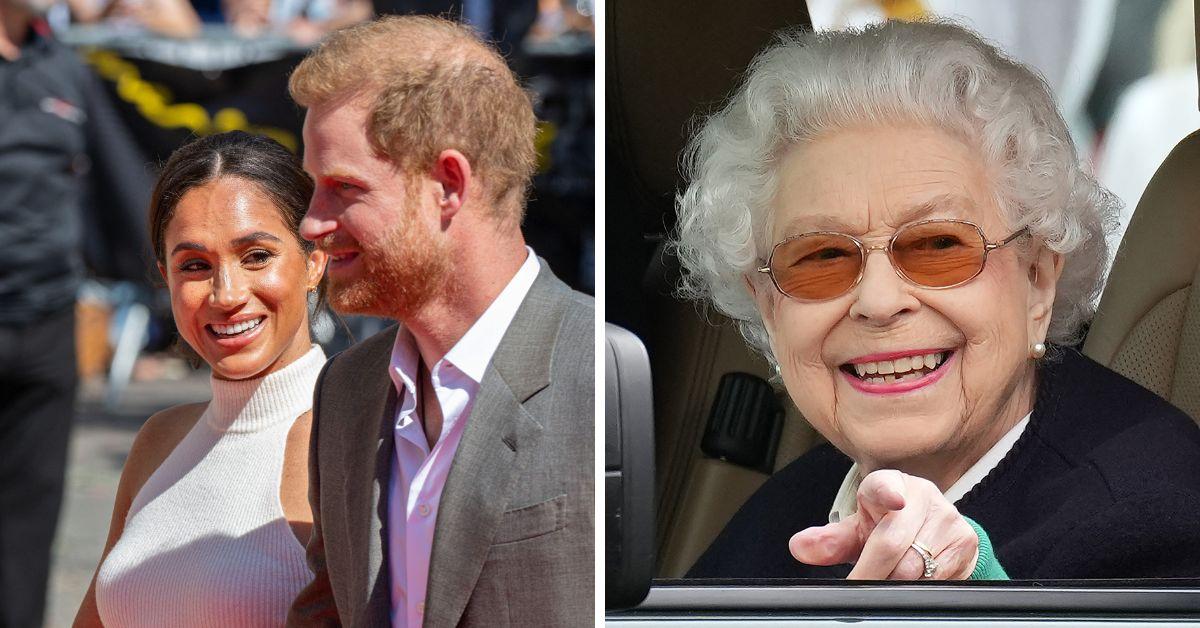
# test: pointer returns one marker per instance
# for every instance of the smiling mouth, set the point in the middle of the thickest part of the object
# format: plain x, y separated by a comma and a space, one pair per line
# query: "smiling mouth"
902, 369
236, 329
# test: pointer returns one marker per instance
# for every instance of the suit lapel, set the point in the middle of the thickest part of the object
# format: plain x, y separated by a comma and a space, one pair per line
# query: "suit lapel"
369, 448
499, 438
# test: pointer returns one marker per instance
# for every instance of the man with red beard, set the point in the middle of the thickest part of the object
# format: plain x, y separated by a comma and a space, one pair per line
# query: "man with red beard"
451, 465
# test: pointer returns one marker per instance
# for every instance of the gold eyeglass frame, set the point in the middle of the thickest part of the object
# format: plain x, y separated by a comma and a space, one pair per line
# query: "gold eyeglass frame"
865, 250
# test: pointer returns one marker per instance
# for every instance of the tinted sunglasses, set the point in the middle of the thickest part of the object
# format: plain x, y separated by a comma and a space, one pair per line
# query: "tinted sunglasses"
937, 254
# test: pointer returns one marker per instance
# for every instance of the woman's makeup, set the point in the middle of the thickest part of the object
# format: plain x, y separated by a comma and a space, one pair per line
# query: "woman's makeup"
238, 279
897, 372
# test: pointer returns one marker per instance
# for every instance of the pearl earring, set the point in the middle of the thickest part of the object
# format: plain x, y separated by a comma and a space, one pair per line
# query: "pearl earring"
1037, 350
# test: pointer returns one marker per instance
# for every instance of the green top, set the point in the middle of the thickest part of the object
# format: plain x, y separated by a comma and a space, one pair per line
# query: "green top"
987, 567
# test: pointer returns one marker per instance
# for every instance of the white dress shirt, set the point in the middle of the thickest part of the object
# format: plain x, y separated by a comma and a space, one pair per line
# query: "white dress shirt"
418, 473
846, 502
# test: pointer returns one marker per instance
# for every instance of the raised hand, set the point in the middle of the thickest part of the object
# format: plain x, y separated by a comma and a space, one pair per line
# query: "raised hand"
895, 510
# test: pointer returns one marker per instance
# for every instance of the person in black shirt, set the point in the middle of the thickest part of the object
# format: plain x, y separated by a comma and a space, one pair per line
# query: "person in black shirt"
52, 122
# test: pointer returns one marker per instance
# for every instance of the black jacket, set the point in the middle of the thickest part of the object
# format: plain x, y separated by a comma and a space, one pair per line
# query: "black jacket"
1103, 483
42, 158
71, 183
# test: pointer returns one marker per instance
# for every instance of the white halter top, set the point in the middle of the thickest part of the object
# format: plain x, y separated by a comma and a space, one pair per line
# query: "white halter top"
205, 541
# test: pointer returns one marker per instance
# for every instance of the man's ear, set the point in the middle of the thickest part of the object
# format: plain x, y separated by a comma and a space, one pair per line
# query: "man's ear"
1044, 271
162, 270
452, 173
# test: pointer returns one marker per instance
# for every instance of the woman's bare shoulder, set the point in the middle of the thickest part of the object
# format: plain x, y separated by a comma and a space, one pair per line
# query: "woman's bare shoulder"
166, 428
300, 431
158, 437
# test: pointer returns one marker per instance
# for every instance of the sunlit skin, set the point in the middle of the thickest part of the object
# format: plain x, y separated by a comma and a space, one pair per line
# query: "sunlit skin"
231, 258
867, 182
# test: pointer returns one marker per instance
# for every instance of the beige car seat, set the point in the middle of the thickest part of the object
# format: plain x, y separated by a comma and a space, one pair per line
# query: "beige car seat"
652, 92
699, 494
1147, 326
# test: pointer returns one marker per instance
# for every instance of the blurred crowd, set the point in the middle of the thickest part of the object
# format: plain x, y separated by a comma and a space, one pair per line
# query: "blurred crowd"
306, 21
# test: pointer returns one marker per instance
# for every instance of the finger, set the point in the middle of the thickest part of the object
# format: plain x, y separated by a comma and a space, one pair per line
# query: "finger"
882, 492
912, 567
832, 544
888, 542
951, 541
956, 561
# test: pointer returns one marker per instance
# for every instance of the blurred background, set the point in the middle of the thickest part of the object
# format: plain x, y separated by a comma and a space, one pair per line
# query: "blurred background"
168, 70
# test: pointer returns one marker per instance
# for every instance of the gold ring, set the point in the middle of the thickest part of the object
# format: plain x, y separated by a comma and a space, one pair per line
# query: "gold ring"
927, 556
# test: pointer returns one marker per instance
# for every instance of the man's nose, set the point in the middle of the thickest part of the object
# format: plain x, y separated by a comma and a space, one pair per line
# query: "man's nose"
319, 221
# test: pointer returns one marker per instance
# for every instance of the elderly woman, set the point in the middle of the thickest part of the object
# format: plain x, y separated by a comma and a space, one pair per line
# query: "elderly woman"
897, 219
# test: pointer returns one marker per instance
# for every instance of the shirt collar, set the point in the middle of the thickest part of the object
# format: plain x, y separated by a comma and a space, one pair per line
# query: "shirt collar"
472, 353
403, 365
986, 463
846, 501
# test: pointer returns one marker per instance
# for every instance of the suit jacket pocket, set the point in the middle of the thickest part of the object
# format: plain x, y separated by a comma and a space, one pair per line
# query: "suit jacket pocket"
532, 521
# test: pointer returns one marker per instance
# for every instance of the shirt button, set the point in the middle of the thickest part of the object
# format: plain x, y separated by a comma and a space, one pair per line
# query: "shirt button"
423, 509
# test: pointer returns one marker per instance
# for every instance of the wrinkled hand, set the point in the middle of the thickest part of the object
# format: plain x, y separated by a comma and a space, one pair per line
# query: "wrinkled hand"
894, 509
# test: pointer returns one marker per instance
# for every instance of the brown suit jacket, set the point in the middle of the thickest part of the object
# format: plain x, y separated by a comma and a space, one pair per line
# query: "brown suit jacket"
513, 544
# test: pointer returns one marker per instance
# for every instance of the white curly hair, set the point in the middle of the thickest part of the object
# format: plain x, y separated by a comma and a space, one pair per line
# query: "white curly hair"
936, 73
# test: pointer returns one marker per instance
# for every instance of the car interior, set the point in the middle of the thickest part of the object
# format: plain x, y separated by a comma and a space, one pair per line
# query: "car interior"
720, 428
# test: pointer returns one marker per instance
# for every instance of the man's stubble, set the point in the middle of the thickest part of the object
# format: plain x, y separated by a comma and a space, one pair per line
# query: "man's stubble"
402, 271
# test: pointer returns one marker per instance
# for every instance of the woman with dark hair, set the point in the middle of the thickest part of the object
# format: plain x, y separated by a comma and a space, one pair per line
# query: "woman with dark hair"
211, 514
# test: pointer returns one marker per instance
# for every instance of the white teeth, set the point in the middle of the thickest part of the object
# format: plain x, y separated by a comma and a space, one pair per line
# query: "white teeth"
898, 367
237, 328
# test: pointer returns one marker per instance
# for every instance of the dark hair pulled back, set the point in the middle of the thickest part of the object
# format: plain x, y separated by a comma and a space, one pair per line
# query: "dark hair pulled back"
254, 158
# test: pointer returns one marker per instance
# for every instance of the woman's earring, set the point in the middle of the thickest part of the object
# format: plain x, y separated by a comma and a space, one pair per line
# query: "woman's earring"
1037, 350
